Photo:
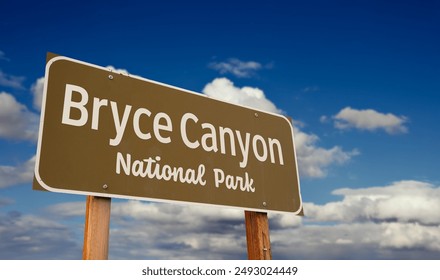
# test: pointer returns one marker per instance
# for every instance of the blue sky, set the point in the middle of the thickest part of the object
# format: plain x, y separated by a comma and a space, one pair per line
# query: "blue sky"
359, 78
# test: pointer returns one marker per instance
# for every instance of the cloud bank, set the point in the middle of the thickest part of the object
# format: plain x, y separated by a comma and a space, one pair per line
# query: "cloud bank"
374, 223
378, 222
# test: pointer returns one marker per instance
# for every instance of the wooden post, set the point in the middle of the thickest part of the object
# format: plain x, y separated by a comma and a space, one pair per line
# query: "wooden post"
257, 236
96, 231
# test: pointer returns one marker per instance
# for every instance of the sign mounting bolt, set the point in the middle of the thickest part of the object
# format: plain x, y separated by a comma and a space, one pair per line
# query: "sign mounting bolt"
105, 187
110, 77
256, 115
264, 203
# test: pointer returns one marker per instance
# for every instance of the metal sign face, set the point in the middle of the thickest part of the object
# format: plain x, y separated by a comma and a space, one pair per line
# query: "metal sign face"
109, 134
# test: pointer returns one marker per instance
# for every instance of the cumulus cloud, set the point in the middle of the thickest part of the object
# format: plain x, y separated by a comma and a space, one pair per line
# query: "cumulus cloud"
31, 237
369, 223
37, 90
224, 89
410, 236
401, 216
16, 121
370, 120
13, 175
362, 241
396, 221
236, 67
67, 209
173, 231
313, 160
402, 201
11, 81
169, 231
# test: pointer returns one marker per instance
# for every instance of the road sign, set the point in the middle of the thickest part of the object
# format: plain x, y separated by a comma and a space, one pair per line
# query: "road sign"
109, 134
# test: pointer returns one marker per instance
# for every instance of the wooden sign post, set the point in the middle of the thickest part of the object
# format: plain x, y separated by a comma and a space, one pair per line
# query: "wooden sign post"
257, 236
97, 226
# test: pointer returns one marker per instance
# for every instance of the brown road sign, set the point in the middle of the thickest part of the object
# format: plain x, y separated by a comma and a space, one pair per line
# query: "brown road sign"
109, 134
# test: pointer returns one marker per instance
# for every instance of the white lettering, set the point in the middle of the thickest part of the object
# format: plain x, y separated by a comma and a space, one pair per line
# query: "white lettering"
157, 127
223, 132
244, 147
184, 120
248, 184
276, 142
125, 164
80, 105
255, 148
219, 176
152, 169
97, 104
232, 182
120, 125
136, 123
212, 135
146, 125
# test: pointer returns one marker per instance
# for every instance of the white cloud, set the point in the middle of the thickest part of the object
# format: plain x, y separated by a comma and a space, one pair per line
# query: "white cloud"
363, 241
13, 175
403, 215
31, 237
240, 69
37, 90
408, 236
370, 120
224, 89
67, 209
397, 221
16, 121
368, 223
11, 81
170, 231
284, 221
402, 201
313, 160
